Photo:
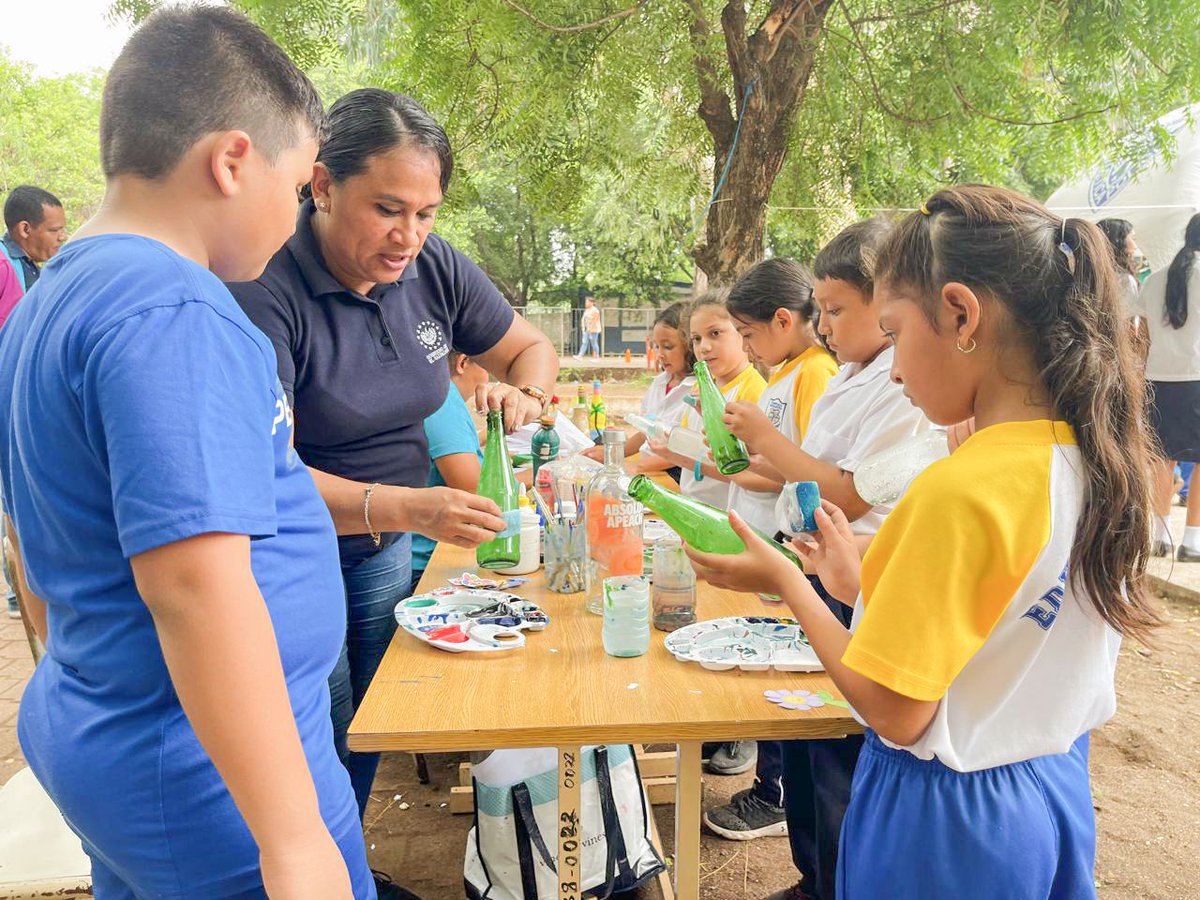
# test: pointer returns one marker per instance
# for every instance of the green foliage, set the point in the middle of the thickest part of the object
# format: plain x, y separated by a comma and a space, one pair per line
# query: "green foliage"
582, 156
48, 136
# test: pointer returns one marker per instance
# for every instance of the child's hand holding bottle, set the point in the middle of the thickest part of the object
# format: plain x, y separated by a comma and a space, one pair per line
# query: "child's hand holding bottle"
833, 556
747, 421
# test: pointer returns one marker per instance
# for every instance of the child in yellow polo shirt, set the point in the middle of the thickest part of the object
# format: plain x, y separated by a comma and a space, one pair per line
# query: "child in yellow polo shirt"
716, 341
992, 601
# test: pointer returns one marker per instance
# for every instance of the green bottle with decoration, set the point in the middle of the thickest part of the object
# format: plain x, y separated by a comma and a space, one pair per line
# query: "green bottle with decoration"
729, 452
497, 483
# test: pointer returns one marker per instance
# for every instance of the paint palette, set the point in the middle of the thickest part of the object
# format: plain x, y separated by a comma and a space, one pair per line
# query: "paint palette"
750, 643
470, 621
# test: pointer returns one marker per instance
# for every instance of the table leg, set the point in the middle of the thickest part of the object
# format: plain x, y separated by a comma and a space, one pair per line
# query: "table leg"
687, 822
570, 825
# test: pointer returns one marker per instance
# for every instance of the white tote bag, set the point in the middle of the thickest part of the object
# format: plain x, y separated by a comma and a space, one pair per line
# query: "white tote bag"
512, 852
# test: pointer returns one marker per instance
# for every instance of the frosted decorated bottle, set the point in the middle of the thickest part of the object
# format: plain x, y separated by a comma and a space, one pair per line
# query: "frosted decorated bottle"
497, 483
704, 527
882, 477
728, 451
614, 523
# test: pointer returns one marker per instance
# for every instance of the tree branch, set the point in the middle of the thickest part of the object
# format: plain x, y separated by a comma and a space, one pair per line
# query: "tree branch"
974, 110
868, 66
714, 100
573, 29
912, 13
733, 24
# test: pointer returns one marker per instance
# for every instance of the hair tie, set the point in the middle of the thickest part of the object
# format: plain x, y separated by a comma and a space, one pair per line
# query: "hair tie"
923, 210
1066, 251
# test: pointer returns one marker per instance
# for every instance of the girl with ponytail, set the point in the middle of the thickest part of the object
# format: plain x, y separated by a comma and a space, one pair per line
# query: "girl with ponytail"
991, 604
1173, 370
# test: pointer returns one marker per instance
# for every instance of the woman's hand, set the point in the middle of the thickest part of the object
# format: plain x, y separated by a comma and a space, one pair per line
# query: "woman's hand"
761, 568
747, 421
519, 409
445, 514
834, 556
596, 453
311, 868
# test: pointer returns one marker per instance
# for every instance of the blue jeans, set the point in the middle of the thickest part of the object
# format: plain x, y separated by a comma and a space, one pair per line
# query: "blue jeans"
373, 588
592, 339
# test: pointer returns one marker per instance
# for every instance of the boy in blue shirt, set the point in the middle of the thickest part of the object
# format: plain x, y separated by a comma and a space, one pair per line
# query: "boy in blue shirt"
454, 451
188, 567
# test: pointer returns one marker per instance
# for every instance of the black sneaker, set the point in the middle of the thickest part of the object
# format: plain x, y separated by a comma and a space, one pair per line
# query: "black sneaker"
746, 817
1160, 548
733, 758
389, 890
1186, 554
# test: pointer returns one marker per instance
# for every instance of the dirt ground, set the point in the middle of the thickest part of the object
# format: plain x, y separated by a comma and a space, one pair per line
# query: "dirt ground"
1145, 773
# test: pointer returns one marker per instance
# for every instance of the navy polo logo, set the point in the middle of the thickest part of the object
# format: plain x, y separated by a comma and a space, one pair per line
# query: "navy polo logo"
429, 334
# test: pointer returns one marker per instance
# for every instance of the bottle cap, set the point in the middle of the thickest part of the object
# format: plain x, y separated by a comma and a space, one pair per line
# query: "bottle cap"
547, 421
613, 435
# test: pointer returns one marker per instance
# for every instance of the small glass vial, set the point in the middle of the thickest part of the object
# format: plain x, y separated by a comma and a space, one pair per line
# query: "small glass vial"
674, 587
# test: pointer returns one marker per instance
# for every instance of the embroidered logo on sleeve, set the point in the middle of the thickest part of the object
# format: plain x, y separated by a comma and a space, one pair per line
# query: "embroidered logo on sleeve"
1045, 611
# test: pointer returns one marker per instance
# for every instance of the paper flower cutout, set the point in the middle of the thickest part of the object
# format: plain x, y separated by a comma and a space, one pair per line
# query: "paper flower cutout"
795, 699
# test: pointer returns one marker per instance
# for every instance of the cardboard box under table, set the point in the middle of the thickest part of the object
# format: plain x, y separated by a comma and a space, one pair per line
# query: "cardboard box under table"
562, 690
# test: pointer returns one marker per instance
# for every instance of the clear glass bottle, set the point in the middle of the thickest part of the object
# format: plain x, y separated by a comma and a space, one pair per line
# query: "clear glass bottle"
883, 477
674, 587
626, 627
614, 523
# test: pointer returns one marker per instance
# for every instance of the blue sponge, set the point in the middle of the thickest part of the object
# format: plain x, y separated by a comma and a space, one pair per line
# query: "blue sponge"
808, 499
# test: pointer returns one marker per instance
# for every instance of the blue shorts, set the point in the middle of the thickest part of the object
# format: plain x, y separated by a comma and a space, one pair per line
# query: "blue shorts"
917, 830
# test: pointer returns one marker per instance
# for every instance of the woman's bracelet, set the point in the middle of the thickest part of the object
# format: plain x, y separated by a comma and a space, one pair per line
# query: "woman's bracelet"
376, 536
699, 475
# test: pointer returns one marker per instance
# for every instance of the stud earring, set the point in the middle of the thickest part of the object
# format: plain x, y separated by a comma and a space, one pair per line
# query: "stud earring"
323, 206
961, 349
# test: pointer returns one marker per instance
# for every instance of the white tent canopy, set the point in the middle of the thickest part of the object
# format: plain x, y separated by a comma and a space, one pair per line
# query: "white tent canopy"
1156, 195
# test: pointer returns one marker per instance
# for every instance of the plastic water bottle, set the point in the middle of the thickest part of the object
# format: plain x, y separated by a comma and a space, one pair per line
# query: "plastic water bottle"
626, 629
884, 476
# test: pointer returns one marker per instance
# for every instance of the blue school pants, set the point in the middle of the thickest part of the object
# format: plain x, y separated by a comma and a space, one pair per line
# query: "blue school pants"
917, 830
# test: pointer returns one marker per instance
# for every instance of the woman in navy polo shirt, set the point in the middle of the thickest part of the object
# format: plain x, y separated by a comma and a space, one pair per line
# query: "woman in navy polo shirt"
363, 304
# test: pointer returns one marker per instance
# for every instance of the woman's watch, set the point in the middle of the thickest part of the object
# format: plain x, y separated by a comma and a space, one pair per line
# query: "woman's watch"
532, 390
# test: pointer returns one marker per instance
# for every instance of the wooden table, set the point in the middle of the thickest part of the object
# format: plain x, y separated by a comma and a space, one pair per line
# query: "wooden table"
562, 690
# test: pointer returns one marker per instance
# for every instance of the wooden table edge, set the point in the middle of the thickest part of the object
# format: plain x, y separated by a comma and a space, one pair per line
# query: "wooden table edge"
461, 741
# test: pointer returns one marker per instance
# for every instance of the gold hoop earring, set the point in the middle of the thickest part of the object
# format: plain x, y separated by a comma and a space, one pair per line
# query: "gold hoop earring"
961, 349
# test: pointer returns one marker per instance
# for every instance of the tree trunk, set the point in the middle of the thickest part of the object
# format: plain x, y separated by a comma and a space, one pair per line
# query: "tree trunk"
770, 71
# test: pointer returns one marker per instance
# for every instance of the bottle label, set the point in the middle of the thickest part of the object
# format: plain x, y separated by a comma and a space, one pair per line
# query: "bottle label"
512, 528
615, 535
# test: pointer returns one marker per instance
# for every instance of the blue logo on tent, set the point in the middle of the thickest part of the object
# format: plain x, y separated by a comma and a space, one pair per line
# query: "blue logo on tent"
1114, 177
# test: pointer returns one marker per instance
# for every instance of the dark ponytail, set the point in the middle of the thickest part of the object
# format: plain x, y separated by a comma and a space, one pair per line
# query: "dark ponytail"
770, 285
370, 121
1179, 273
1059, 286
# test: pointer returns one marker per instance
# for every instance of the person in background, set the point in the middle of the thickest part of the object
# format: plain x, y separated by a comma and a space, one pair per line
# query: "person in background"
36, 227
179, 563
10, 293
773, 307
664, 400
590, 327
1173, 370
1128, 258
454, 450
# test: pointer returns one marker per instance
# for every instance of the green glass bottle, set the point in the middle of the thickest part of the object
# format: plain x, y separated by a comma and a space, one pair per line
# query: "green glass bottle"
728, 451
704, 527
497, 482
